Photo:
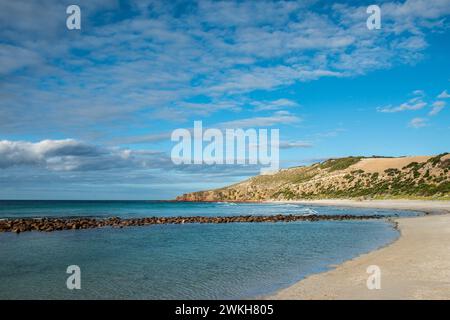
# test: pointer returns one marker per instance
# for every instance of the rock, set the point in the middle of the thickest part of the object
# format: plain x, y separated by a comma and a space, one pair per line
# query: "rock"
51, 224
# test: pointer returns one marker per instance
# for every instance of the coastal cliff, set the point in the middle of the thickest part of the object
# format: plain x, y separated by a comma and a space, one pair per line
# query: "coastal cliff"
351, 177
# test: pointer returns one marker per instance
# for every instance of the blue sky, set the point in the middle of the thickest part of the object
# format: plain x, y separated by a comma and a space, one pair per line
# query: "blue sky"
87, 114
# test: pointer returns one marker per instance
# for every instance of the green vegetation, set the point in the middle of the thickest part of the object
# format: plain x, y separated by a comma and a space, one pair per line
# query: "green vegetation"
435, 160
414, 166
296, 176
384, 189
398, 184
445, 165
286, 193
339, 164
302, 177
349, 177
426, 180
392, 172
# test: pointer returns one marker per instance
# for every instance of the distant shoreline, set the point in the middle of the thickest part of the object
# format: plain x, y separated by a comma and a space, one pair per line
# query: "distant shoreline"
416, 266
426, 206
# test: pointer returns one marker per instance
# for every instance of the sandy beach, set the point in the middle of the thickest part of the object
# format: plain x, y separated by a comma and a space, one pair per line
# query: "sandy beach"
416, 266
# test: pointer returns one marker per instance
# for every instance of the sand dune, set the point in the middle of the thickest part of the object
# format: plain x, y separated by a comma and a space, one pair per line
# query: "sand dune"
380, 164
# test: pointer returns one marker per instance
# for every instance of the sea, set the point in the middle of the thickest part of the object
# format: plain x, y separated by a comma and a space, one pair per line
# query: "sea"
188, 261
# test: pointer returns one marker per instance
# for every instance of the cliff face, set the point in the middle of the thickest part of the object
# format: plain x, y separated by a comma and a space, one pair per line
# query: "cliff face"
352, 177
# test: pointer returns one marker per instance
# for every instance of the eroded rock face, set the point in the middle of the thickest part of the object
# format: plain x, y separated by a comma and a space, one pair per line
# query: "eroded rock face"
55, 224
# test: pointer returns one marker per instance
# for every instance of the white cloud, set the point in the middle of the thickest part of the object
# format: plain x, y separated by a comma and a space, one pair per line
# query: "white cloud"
71, 155
157, 61
295, 144
415, 103
273, 105
420, 93
415, 9
15, 58
418, 123
27, 153
278, 118
444, 95
437, 107
403, 107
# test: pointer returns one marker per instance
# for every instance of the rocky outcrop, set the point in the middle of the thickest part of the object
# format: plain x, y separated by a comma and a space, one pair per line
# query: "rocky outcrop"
55, 224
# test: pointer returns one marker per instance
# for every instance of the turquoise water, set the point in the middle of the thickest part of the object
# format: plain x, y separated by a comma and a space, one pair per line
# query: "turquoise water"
194, 261
129, 209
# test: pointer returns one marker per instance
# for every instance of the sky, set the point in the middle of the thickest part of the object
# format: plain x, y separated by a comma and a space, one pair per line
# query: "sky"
88, 114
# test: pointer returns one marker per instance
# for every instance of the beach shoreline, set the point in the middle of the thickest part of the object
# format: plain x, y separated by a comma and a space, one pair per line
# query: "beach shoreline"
415, 266
425, 206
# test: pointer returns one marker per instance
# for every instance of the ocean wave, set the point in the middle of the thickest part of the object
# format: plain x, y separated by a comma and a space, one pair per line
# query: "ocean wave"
309, 212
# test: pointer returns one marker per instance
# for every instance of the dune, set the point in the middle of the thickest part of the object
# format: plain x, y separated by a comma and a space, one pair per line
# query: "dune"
380, 164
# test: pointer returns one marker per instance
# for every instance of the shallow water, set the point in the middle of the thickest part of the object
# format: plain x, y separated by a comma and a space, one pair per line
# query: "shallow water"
193, 261
129, 209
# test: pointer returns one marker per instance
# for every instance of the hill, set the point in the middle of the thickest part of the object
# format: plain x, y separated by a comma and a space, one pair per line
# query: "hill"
351, 177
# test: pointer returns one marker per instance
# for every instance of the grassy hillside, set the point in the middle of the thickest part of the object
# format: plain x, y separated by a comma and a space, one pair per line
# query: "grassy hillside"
351, 177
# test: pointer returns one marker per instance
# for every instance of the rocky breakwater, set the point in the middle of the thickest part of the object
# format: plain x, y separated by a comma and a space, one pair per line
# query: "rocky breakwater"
55, 224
